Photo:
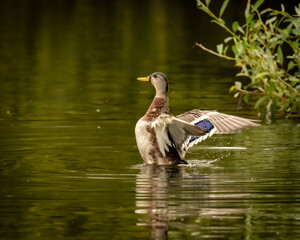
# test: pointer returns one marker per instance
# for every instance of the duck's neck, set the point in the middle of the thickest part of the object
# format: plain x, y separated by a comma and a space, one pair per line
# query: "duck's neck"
159, 105
161, 91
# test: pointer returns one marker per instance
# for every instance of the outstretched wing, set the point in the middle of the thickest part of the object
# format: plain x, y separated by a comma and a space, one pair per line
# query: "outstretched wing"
224, 123
174, 132
187, 129
214, 122
198, 118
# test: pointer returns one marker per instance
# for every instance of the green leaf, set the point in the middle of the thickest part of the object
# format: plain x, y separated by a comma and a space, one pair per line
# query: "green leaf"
270, 61
296, 32
238, 85
294, 79
280, 55
295, 45
226, 40
295, 21
232, 89
240, 74
239, 48
260, 101
261, 75
247, 10
271, 20
223, 7
288, 29
234, 49
225, 50
202, 7
236, 95
235, 26
221, 22
291, 65
271, 87
241, 29
297, 10
220, 48
207, 2
249, 18
256, 5
283, 35
271, 106
246, 98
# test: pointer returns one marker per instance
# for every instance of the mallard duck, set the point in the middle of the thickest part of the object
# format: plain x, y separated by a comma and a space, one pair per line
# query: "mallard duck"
164, 139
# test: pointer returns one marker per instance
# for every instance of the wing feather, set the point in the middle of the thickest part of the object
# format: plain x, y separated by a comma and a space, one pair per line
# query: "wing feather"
224, 123
182, 131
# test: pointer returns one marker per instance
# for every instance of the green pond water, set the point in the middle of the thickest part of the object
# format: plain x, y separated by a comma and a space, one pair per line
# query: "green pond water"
69, 101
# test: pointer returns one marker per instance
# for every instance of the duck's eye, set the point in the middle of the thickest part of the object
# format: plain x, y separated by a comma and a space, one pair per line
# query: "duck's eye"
155, 76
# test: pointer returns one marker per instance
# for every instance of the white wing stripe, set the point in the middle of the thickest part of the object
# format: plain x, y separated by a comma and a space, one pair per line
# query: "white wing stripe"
202, 138
199, 119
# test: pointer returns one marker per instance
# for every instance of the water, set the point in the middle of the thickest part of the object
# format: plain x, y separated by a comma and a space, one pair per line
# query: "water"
69, 101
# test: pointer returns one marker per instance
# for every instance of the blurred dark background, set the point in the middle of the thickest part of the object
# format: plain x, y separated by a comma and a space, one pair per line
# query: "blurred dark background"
69, 101
58, 55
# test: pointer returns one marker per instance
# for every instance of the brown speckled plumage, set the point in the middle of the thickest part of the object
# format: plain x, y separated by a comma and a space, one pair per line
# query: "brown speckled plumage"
158, 106
154, 151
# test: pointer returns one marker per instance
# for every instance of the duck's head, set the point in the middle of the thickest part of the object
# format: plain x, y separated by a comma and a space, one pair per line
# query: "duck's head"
159, 80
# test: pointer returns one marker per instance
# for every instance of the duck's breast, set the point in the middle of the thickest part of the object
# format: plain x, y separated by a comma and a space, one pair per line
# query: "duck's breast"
144, 139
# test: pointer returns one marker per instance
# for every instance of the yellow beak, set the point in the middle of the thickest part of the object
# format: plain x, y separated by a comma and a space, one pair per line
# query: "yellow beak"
143, 79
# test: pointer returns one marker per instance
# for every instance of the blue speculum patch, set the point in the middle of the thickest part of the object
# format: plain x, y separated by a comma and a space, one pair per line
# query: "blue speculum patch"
206, 125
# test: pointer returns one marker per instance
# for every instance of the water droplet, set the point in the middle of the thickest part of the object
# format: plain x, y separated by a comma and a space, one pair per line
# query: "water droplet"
97, 110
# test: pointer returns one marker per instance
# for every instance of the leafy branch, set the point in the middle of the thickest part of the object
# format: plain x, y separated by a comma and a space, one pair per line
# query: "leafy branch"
266, 49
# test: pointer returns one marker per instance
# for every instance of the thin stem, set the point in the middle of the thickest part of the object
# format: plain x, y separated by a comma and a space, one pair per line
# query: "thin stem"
288, 85
212, 15
247, 24
262, 23
214, 53
248, 92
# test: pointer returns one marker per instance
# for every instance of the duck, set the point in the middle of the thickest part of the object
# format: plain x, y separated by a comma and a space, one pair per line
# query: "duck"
164, 139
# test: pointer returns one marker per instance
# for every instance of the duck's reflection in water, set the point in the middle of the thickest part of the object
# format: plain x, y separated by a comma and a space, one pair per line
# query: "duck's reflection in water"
154, 199
178, 203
